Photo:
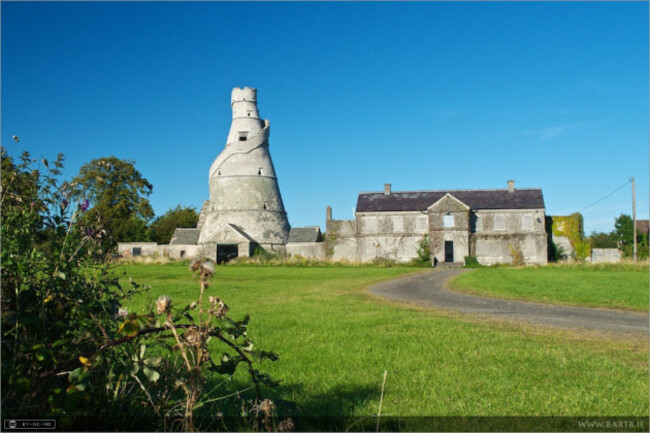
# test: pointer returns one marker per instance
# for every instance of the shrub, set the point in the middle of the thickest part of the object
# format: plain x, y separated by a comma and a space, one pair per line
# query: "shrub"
424, 251
71, 351
472, 262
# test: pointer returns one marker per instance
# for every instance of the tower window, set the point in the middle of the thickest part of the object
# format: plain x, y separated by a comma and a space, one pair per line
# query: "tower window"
243, 136
265, 207
219, 173
259, 172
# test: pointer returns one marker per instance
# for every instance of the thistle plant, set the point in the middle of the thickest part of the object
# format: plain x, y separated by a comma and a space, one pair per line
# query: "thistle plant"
72, 350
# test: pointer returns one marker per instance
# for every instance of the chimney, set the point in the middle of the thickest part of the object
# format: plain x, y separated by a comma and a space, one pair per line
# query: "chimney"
328, 214
511, 185
387, 188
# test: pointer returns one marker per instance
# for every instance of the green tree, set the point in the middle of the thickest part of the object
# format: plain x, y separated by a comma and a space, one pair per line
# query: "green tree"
624, 233
162, 229
115, 193
602, 240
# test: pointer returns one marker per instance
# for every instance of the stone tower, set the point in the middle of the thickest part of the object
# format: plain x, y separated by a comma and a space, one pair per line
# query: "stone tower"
244, 192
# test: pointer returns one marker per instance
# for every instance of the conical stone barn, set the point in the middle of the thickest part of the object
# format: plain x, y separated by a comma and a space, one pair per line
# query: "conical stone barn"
245, 209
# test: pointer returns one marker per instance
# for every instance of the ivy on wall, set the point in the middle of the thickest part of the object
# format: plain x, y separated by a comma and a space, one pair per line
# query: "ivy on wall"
572, 228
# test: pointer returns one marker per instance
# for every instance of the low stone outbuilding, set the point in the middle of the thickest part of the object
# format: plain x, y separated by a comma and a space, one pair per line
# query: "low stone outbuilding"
306, 242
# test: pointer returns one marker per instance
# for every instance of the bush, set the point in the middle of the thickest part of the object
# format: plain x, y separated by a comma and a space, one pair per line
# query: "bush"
424, 251
472, 262
71, 351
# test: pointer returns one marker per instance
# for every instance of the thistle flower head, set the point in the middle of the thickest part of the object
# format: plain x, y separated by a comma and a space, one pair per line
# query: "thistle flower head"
163, 303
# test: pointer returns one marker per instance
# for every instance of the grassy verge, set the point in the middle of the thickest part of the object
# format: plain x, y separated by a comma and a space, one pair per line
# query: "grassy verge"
335, 341
610, 286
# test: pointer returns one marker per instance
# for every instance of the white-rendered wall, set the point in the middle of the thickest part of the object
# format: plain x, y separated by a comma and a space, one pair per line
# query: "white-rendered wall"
243, 186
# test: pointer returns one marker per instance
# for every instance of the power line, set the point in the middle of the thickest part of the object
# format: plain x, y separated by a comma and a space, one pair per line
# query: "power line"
599, 200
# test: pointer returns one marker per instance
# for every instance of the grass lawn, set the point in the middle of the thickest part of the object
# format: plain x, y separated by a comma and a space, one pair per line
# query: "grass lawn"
612, 286
335, 340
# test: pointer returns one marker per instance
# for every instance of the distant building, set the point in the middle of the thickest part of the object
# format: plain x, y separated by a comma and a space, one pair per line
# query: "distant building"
491, 225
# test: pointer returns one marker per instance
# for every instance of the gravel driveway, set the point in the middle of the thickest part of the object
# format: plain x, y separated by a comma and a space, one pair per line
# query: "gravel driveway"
430, 289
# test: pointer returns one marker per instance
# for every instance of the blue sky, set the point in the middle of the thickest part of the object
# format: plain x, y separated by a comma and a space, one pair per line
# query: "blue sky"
423, 95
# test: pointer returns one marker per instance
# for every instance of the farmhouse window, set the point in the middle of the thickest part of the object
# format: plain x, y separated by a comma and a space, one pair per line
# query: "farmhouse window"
527, 222
398, 224
478, 224
421, 223
370, 224
499, 222
448, 221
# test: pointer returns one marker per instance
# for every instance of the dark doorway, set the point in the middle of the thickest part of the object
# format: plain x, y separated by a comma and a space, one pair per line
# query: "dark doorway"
136, 251
449, 251
226, 252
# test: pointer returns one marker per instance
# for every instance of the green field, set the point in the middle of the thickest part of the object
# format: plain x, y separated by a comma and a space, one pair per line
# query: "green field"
613, 286
335, 340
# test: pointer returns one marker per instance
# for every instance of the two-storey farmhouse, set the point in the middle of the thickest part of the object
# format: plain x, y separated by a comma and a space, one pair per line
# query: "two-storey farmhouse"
495, 225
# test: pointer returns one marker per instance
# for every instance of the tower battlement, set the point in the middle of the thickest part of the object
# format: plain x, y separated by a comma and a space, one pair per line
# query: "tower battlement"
248, 94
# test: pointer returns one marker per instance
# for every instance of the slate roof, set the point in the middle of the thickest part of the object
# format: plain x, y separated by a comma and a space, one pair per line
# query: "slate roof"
305, 234
529, 198
185, 237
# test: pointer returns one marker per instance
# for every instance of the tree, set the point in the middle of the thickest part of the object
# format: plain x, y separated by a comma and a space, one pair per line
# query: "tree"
603, 240
624, 233
115, 194
162, 229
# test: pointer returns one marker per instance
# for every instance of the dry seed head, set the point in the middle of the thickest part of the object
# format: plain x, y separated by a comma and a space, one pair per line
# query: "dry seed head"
163, 303
193, 336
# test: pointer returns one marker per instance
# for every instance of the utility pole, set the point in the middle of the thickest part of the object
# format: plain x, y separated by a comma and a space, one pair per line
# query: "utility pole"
634, 215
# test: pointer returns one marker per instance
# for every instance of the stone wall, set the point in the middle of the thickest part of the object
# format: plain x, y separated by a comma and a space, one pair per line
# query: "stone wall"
340, 239
125, 249
563, 243
315, 250
606, 255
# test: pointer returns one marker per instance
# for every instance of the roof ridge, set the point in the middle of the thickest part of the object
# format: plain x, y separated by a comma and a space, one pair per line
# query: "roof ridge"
447, 190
